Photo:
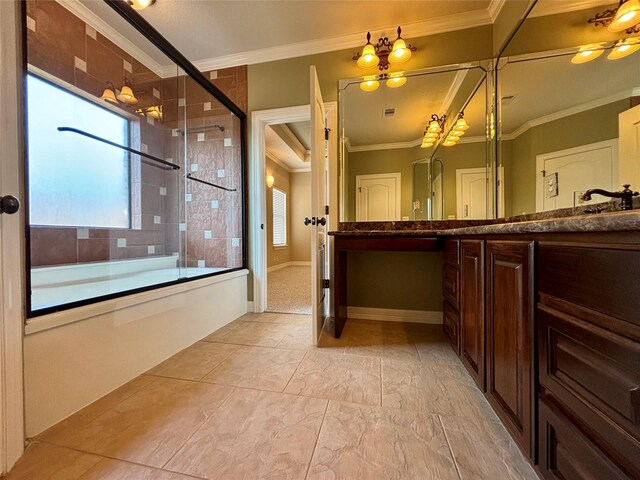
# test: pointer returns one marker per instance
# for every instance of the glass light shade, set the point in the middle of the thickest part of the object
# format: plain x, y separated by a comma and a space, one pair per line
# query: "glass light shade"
431, 135
458, 133
369, 84
396, 80
448, 143
368, 58
141, 4
461, 124
627, 16
587, 53
109, 95
126, 95
434, 126
624, 48
270, 181
426, 145
452, 137
399, 53
153, 112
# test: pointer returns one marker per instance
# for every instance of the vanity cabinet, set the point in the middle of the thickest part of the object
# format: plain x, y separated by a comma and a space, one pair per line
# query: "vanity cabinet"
509, 336
472, 297
589, 361
451, 292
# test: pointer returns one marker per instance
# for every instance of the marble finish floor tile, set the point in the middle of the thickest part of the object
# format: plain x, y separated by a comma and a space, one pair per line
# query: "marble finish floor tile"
271, 317
249, 333
359, 442
151, 425
118, 470
349, 378
94, 410
43, 461
484, 450
439, 352
257, 367
194, 362
254, 435
433, 388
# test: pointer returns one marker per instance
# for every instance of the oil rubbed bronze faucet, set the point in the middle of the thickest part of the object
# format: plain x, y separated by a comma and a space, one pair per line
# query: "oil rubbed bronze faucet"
625, 196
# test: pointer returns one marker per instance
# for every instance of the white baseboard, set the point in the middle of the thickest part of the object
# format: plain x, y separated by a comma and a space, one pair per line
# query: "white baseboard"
250, 307
288, 264
395, 315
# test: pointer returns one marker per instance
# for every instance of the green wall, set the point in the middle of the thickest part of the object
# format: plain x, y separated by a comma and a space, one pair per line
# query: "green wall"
591, 126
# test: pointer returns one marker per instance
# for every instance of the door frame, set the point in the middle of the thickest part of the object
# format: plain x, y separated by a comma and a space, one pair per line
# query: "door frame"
257, 188
540, 159
374, 176
11, 238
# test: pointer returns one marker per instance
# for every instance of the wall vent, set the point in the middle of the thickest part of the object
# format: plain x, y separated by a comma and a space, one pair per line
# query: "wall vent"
388, 112
507, 100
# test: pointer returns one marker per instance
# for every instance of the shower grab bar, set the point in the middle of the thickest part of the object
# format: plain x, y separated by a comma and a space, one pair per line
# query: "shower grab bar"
171, 166
190, 177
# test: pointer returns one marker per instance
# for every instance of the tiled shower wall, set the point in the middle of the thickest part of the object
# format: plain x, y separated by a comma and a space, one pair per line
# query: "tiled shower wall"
65, 47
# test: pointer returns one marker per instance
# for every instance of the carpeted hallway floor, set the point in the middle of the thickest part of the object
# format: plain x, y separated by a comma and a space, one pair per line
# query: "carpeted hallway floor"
289, 290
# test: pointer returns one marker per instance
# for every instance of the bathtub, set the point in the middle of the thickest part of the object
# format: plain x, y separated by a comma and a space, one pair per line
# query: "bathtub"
59, 285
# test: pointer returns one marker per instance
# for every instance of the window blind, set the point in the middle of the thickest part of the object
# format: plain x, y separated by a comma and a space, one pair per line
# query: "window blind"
279, 217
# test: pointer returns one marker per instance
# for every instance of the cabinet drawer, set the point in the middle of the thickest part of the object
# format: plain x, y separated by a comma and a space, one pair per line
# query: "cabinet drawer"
566, 453
451, 252
593, 364
451, 325
450, 285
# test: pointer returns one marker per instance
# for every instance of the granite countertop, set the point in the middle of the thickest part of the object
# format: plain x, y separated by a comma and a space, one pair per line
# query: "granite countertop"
598, 222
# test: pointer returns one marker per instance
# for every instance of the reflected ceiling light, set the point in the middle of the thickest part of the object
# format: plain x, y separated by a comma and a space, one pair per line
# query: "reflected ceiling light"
587, 53
625, 17
384, 53
449, 143
109, 93
624, 48
426, 143
452, 137
431, 134
433, 130
140, 4
154, 112
270, 181
461, 124
396, 80
126, 94
370, 83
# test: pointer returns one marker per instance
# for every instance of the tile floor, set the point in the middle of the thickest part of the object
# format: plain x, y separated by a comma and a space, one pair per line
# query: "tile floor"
255, 400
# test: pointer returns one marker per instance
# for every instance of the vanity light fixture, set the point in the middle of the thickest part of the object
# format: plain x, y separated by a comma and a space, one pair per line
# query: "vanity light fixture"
624, 48
384, 53
126, 93
140, 4
109, 94
396, 80
270, 181
155, 112
370, 83
588, 53
433, 130
625, 17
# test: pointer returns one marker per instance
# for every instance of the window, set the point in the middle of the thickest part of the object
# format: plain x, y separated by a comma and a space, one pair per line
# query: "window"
279, 218
73, 180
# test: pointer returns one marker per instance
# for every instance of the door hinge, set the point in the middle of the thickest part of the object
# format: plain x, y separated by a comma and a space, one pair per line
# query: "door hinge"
326, 209
325, 283
544, 173
326, 133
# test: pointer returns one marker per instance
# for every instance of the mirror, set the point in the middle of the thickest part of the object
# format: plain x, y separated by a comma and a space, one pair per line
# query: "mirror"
567, 121
386, 173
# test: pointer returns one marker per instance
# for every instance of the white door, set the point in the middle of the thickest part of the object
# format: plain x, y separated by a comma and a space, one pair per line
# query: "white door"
629, 147
563, 176
378, 197
318, 202
11, 317
471, 192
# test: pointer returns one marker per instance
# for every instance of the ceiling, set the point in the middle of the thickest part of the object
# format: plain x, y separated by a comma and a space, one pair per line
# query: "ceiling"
288, 146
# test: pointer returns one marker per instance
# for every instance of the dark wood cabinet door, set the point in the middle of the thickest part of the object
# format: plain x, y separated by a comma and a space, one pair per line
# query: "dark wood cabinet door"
510, 337
472, 338
451, 325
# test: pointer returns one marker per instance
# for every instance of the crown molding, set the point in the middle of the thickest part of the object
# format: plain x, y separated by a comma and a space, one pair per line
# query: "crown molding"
272, 156
476, 139
494, 9
566, 113
543, 9
433, 26
383, 146
288, 137
102, 27
453, 90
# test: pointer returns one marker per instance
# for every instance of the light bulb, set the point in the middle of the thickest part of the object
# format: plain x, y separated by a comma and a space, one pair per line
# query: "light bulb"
396, 80
369, 84
627, 15
434, 126
141, 4
461, 124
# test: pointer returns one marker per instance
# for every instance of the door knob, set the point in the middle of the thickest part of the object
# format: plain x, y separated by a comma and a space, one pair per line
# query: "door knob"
307, 221
322, 221
9, 204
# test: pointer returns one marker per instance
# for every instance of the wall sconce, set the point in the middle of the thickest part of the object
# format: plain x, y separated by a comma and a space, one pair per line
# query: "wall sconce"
140, 4
270, 181
370, 83
124, 95
384, 53
396, 80
392, 80
625, 17
624, 48
155, 112
458, 130
588, 53
433, 130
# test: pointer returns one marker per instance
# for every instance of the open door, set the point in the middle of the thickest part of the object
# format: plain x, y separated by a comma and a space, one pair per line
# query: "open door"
317, 222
